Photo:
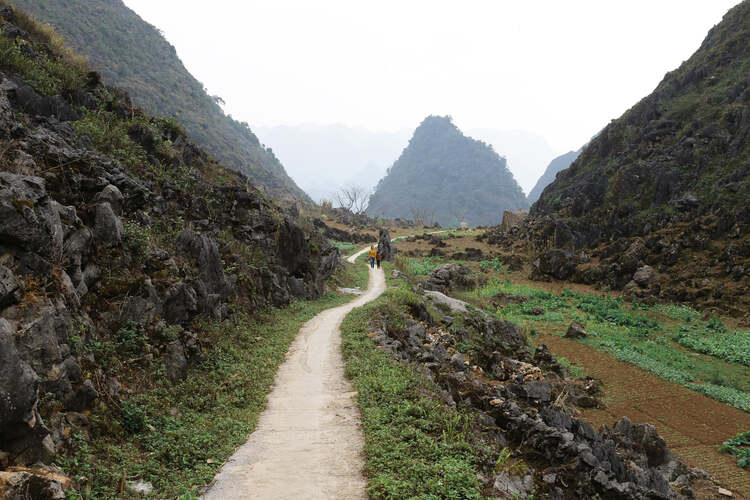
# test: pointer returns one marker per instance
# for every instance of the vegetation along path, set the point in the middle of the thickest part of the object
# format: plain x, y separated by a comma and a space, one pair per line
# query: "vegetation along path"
692, 424
308, 442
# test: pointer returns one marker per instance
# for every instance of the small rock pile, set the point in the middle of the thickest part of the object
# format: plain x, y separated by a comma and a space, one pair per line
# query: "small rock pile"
450, 276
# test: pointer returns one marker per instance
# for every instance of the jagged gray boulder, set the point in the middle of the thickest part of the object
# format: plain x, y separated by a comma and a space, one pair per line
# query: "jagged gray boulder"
448, 277
644, 275
10, 288
18, 391
36, 484
112, 195
108, 228
212, 287
555, 262
180, 303
385, 246
576, 331
175, 361
28, 217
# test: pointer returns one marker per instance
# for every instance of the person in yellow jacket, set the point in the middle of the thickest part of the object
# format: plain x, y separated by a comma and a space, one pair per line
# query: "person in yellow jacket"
372, 255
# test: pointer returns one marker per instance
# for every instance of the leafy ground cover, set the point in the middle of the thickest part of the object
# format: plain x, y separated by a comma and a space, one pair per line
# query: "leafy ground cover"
177, 436
416, 446
739, 446
345, 247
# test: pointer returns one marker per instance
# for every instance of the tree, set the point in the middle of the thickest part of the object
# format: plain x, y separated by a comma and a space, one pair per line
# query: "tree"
423, 216
353, 198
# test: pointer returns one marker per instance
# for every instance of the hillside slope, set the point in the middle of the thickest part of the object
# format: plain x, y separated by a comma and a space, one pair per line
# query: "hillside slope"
557, 165
134, 55
447, 177
665, 185
130, 262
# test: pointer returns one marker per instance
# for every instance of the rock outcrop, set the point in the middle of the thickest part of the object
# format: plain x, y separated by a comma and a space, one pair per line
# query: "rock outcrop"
108, 255
385, 245
450, 276
524, 400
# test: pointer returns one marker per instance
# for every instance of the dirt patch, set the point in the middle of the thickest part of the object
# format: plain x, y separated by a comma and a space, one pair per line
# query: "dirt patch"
692, 424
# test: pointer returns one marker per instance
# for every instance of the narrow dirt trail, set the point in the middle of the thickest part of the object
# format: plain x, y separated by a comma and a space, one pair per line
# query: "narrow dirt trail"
693, 425
308, 442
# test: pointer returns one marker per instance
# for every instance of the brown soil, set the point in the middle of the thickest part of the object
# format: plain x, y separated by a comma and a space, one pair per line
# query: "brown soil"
692, 424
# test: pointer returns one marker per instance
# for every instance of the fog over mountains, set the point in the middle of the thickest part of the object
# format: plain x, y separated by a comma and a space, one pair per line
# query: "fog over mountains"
323, 158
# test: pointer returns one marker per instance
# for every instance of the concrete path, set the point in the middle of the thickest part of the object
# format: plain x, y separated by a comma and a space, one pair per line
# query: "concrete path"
308, 442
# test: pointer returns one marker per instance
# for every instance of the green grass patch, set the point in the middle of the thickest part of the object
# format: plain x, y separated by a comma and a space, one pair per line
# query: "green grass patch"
421, 266
416, 446
345, 247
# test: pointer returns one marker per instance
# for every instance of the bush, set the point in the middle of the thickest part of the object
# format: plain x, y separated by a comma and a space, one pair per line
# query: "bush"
132, 417
739, 446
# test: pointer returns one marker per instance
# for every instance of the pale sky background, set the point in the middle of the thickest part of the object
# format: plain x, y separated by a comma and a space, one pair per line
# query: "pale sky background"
559, 69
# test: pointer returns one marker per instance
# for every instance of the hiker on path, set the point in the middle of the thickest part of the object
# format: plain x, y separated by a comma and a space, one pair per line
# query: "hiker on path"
373, 253
378, 258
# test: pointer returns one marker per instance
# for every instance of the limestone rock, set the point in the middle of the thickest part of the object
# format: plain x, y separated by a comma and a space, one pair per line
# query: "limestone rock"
512, 219
10, 288
108, 228
385, 246
576, 331
644, 275
556, 262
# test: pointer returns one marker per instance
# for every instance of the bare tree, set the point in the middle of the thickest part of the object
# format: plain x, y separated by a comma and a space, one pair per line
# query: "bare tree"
459, 213
423, 216
353, 198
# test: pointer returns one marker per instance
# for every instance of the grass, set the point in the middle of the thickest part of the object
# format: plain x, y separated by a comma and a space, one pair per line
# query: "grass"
416, 446
177, 436
345, 247
419, 266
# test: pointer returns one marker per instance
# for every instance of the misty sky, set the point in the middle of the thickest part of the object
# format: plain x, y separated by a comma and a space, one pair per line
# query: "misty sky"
559, 69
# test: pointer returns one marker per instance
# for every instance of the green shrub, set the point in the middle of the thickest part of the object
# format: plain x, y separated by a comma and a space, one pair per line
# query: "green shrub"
491, 265
739, 446
132, 417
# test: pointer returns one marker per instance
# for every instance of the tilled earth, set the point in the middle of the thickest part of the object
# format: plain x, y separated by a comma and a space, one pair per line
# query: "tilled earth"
692, 424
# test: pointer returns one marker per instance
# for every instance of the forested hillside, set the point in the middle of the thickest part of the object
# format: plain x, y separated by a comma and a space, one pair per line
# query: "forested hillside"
557, 165
134, 55
444, 176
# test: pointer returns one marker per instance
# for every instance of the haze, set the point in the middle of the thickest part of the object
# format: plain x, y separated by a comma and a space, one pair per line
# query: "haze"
559, 70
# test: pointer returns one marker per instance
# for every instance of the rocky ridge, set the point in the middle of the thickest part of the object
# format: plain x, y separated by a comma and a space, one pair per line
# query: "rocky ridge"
116, 231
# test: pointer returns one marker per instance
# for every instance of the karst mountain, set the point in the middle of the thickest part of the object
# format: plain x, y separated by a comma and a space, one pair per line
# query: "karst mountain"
446, 177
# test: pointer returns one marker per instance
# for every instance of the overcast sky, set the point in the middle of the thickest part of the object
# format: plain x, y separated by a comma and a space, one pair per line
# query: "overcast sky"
560, 69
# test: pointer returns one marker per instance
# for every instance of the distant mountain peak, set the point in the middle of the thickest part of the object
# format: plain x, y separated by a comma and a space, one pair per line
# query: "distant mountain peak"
447, 177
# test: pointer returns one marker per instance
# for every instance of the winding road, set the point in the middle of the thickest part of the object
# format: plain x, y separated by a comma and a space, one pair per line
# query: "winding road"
308, 442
